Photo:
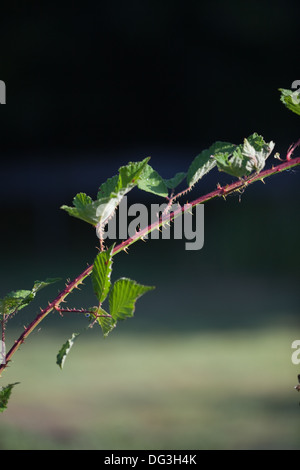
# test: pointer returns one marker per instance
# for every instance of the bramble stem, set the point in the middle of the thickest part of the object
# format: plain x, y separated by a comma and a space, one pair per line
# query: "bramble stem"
220, 191
82, 310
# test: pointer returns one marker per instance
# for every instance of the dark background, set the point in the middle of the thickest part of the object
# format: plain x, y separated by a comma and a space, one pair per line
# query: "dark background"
91, 87
206, 362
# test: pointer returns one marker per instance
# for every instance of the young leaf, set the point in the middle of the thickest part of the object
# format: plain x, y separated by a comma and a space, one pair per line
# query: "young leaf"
65, 349
108, 187
172, 183
110, 194
291, 99
257, 151
5, 393
106, 322
38, 285
84, 209
101, 273
204, 162
152, 182
246, 158
123, 296
129, 175
16, 300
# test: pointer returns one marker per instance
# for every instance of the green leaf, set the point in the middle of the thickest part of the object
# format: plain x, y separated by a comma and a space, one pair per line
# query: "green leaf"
101, 273
128, 178
5, 393
246, 158
110, 186
172, 183
129, 174
123, 296
291, 99
204, 162
107, 323
38, 285
110, 194
84, 209
65, 349
16, 300
152, 182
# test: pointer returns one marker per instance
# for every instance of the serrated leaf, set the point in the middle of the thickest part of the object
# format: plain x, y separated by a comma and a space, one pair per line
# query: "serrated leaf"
16, 300
129, 174
38, 285
246, 158
108, 187
65, 349
5, 393
128, 178
172, 183
257, 151
110, 194
101, 273
106, 322
291, 99
84, 208
123, 296
204, 162
152, 182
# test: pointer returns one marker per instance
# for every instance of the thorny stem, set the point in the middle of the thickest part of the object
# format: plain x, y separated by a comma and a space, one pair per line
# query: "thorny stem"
3, 328
220, 191
81, 310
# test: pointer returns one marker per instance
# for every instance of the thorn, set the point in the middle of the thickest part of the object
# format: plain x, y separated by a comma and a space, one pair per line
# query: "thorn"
126, 250
143, 240
262, 180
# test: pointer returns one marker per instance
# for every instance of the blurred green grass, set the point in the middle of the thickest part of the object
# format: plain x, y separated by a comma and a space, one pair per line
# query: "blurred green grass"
205, 363
210, 390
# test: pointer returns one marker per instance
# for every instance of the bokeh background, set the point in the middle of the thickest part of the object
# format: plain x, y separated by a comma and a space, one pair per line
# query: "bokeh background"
206, 362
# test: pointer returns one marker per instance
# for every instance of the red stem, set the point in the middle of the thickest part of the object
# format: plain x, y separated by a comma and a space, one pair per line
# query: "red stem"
220, 191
